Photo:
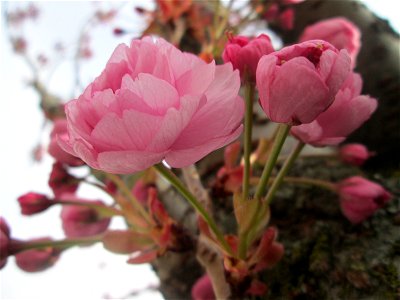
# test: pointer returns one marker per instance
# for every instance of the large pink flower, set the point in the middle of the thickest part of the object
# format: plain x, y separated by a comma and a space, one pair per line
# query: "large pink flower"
153, 102
347, 113
299, 82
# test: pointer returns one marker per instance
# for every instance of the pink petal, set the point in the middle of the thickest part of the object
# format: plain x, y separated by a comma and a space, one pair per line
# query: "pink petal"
126, 162
196, 80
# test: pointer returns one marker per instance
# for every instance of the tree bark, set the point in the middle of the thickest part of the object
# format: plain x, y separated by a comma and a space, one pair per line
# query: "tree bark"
379, 64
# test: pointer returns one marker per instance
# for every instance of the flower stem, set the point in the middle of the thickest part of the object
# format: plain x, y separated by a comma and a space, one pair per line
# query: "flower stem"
19, 246
122, 186
282, 172
105, 211
248, 124
177, 183
283, 132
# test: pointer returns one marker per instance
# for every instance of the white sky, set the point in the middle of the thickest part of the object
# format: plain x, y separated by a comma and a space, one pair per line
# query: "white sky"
89, 273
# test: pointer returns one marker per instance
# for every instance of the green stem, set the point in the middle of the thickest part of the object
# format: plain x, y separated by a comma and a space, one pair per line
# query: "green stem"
311, 181
248, 124
177, 183
122, 186
19, 246
282, 172
104, 210
283, 131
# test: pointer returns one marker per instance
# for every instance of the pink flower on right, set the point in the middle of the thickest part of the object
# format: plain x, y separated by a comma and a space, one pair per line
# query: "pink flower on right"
339, 31
299, 82
361, 198
347, 113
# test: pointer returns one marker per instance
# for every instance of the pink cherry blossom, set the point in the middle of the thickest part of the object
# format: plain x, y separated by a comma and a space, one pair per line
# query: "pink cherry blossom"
360, 198
354, 154
82, 221
347, 113
153, 102
202, 289
4, 242
32, 203
244, 53
37, 260
339, 31
60, 130
299, 82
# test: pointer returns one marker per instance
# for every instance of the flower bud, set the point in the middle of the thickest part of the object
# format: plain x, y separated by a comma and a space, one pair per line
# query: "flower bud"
354, 154
361, 198
244, 53
4, 242
299, 82
83, 221
61, 182
32, 203
36, 260
202, 289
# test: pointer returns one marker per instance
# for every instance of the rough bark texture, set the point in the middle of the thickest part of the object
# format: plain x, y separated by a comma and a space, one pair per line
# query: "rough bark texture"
326, 257
379, 64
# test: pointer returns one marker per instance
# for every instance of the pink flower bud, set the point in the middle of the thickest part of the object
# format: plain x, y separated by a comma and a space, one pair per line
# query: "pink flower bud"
60, 131
354, 154
118, 31
360, 198
37, 260
33, 203
83, 221
286, 19
202, 289
299, 82
245, 53
347, 113
141, 191
339, 31
61, 182
4, 242
153, 102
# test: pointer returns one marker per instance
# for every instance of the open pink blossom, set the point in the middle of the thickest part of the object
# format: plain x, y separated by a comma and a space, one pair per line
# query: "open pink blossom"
244, 53
153, 102
338, 31
299, 82
361, 198
347, 113
60, 130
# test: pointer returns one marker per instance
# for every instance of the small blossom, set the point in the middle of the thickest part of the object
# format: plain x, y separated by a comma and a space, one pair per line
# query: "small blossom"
37, 260
347, 113
4, 242
339, 31
61, 182
286, 19
202, 289
354, 154
361, 198
33, 203
19, 45
244, 53
81, 220
299, 82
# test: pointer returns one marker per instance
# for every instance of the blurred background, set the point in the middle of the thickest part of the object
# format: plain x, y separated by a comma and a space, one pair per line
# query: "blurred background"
51, 36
